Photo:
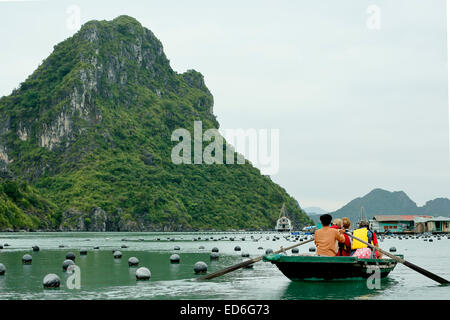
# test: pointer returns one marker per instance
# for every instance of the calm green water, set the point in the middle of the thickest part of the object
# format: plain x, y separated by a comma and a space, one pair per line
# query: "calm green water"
103, 277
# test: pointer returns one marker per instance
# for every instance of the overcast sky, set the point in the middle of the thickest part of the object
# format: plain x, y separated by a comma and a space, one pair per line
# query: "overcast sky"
357, 107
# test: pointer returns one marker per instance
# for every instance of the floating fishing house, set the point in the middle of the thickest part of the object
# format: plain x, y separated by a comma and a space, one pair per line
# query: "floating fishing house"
410, 224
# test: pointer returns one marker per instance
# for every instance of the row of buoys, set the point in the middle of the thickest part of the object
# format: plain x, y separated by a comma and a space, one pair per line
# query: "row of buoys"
53, 281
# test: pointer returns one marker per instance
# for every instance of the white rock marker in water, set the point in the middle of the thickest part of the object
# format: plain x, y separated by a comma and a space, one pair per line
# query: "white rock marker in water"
174, 258
2, 269
67, 263
143, 273
26, 259
133, 261
200, 267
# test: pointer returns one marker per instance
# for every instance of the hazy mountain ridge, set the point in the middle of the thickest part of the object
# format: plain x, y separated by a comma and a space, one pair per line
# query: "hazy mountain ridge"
383, 202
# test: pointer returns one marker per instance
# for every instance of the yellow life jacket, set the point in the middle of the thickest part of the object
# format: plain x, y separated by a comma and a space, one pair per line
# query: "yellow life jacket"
361, 234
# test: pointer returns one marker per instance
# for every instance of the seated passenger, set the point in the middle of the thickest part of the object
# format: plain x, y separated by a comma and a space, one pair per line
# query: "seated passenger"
362, 250
337, 224
345, 248
326, 237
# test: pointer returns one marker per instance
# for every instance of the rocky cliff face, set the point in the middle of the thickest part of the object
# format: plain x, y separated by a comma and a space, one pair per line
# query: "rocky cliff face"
91, 127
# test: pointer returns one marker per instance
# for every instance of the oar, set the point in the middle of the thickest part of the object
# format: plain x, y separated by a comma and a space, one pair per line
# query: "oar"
246, 263
426, 273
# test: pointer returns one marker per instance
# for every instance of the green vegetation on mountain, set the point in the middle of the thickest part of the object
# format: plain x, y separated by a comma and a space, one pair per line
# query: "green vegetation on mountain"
22, 207
90, 131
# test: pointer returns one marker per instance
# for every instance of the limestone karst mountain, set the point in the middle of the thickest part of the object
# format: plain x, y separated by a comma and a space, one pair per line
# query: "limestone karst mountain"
89, 133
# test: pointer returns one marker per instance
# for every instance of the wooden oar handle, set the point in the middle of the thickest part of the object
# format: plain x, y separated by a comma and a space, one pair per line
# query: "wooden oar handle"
404, 262
246, 263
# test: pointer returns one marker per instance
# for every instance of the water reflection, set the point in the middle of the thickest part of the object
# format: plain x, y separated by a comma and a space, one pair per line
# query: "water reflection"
342, 290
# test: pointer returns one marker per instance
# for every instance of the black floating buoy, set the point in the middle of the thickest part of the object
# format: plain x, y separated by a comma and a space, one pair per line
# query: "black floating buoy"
61, 246
260, 248
35, 248
237, 248
133, 261
83, 251
143, 273
51, 281
176, 248
269, 251
67, 263
174, 258
295, 250
201, 247
26, 259
245, 255
2, 269
431, 240
312, 249
6, 245
117, 254
124, 246
215, 249
392, 249
70, 255
214, 256
96, 247
200, 267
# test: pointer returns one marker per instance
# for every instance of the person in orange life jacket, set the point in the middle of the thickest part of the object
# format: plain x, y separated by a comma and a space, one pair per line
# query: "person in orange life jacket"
345, 248
364, 233
325, 238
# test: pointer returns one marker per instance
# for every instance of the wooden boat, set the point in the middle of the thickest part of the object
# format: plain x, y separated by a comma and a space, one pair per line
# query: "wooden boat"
313, 267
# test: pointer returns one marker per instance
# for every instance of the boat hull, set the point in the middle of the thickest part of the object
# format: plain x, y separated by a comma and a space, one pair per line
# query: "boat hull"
299, 268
